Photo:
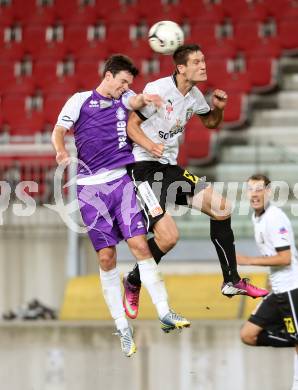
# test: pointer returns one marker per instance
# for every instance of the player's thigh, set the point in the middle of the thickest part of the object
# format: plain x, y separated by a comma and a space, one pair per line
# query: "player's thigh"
211, 203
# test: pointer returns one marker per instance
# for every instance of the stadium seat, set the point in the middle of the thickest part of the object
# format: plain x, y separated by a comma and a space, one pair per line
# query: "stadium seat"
203, 34
243, 10
12, 53
75, 37
13, 106
21, 85
236, 111
96, 51
118, 38
53, 104
34, 39
27, 125
268, 47
263, 73
252, 33
55, 51
287, 33
200, 11
6, 73
45, 72
221, 50
200, 142
87, 74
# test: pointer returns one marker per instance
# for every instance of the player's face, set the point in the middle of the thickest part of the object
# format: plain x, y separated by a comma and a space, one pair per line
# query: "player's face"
258, 194
119, 83
195, 68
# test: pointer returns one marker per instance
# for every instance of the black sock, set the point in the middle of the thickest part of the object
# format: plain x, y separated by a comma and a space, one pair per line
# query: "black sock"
134, 276
222, 237
271, 339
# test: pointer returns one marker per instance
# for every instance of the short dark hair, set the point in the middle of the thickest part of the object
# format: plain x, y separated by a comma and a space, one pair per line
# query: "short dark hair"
260, 177
118, 62
182, 53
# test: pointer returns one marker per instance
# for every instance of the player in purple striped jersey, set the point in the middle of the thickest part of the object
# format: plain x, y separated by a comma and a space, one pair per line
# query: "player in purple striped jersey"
105, 192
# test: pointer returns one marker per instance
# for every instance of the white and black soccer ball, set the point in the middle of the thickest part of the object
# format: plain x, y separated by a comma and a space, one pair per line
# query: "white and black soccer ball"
165, 37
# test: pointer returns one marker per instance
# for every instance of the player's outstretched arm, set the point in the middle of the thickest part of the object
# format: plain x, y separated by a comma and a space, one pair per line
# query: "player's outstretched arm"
137, 135
282, 258
62, 156
219, 100
143, 99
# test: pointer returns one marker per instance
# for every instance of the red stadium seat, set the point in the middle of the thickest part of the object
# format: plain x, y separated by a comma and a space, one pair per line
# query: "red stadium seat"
268, 47
34, 39
200, 11
28, 125
221, 50
243, 10
54, 51
247, 35
263, 73
204, 35
118, 38
6, 74
288, 35
53, 104
200, 142
45, 72
96, 51
75, 37
236, 111
13, 106
12, 53
87, 74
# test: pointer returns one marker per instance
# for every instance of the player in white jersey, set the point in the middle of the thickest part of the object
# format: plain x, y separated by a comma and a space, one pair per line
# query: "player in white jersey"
156, 134
274, 322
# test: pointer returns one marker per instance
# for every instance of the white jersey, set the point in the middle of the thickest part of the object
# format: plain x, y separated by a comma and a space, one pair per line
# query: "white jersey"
273, 230
166, 124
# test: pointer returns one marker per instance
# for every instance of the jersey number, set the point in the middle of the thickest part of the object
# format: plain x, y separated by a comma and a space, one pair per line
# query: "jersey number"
289, 324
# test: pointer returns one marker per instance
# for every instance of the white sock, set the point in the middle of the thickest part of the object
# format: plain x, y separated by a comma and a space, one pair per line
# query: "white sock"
295, 376
111, 287
154, 283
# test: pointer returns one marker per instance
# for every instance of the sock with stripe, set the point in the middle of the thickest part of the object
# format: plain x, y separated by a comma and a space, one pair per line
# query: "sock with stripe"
222, 237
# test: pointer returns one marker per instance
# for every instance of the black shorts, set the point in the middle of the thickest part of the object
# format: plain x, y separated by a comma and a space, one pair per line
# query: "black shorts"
171, 184
278, 312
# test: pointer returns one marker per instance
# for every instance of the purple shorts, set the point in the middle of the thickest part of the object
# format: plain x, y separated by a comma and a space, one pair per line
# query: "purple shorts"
111, 212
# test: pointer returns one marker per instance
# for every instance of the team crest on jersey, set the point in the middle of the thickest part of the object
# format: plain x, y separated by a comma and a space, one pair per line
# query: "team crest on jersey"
189, 114
169, 109
120, 114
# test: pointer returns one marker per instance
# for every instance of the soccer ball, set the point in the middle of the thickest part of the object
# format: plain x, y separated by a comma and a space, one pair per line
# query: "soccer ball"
164, 37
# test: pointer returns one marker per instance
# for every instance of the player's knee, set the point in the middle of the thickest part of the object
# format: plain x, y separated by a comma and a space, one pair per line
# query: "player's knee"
224, 211
247, 338
106, 262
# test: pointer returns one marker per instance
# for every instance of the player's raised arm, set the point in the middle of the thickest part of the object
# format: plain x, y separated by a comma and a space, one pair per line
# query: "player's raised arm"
58, 142
136, 134
143, 99
215, 116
